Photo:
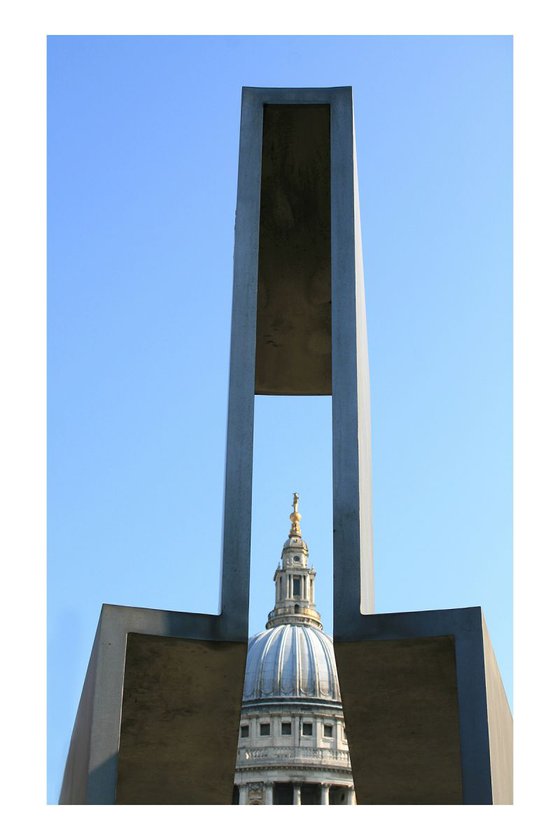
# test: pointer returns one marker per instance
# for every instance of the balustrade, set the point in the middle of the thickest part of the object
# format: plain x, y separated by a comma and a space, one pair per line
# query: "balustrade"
305, 755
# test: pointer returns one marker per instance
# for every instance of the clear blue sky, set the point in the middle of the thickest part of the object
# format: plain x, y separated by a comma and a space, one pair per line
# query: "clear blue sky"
142, 167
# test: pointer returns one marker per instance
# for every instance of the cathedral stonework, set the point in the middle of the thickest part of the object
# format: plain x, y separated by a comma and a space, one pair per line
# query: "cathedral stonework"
292, 744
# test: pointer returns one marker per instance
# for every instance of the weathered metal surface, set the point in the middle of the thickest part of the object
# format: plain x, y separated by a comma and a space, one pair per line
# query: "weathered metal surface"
500, 727
284, 253
402, 720
399, 698
179, 722
294, 292
194, 662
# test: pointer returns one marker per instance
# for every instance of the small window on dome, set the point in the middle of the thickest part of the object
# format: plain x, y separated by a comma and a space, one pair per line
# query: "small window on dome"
244, 731
297, 586
328, 730
297, 559
265, 729
307, 729
286, 728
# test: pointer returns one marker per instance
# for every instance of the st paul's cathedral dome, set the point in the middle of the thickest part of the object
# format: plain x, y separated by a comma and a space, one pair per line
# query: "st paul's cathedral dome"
292, 741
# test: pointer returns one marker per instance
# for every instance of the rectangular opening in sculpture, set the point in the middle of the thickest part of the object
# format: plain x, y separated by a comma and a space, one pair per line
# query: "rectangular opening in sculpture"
294, 286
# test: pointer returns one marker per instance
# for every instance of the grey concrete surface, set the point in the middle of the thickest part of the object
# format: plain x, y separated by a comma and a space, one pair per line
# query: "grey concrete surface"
500, 726
179, 724
155, 682
294, 289
420, 696
402, 720
280, 321
351, 418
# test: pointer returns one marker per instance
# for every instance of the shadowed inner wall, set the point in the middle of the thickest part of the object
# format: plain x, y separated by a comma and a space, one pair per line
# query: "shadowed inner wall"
294, 286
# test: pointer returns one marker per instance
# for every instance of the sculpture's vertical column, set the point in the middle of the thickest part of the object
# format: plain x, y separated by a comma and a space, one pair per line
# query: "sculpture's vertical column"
236, 539
352, 499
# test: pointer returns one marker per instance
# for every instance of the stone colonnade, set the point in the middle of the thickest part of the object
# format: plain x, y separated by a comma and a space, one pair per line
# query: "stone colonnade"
269, 794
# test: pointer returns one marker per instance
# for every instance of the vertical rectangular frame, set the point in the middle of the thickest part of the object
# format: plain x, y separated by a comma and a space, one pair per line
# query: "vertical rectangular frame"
352, 495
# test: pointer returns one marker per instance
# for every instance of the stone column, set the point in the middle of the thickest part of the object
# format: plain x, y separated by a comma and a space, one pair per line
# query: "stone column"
268, 798
297, 793
325, 794
351, 796
243, 794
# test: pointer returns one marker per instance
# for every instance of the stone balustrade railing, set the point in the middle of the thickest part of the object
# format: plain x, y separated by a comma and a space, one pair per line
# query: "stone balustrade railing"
292, 755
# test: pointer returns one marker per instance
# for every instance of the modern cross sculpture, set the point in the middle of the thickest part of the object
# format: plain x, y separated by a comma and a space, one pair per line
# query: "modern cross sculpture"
427, 718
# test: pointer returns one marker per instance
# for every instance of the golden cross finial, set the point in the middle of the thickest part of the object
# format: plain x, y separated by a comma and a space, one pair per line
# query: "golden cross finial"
295, 518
